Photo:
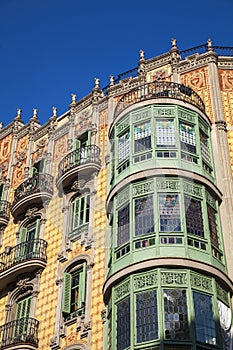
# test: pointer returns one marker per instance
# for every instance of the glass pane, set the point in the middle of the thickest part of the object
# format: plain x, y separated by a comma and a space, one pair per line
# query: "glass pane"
212, 226
204, 318
175, 313
144, 216
123, 225
142, 137
187, 138
193, 215
204, 147
123, 324
165, 133
124, 146
169, 211
146, 316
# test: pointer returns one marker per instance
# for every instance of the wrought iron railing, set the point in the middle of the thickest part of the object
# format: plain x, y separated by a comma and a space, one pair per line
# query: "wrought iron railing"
5, 209
23, 330
83, 155
38, 183
34, 249
132, 73
219, 50
158, 89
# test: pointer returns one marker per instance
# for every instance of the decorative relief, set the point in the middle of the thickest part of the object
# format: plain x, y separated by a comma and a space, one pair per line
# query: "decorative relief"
143, 114
84, 121
143, 188
193, 189
122, 290
167, 185
4, 170
226, 80
210, 200
201, 282
5, 149
123, 197
60, 148
18, 176
222, 294
173, 278
41, 148
161, 73
147, 280
123, 125
186, 116
164, 112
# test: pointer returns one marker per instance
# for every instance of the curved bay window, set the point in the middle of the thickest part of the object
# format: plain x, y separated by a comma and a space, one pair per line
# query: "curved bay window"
189, 314
180, 219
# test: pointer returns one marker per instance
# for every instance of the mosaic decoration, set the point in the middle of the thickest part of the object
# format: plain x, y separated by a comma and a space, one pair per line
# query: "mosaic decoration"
169, 212
204, 318
84, 121
60, 148
144, 216
175, 314
5, 149
142, 137
146, 316
165, 133
187, 138
123, 324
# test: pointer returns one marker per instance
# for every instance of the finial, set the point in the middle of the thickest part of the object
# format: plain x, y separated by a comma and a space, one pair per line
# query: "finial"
54, 111
18, 115
1, 125
35, 111
142, 55
173, 42
111, 79
209, 44
97, 82
73, 96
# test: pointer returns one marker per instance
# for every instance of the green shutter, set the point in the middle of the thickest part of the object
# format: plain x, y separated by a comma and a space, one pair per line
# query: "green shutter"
66, 293
82, 286
77, 145
20, 251
37, 235
89, 137
22, 312
75, 213
1, 192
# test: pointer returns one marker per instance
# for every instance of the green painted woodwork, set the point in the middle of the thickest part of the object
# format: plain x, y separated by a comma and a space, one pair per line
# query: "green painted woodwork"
162, 280
22, 312
66, 293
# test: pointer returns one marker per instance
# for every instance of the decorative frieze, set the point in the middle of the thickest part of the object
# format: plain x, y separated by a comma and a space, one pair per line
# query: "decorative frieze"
222, 294
146, 280
123, 197
164, 112
122, 126
173, 278
143, 188
201, 282
210, 200
142, 114
122, 290
163, 185
186, 116
193, 189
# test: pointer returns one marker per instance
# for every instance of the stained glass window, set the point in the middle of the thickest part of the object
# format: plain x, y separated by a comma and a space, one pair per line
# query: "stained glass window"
175, 313
187, 138
204, 147
212, 226
123, 225
124, 146
146, 316
144, 215
165, 133
123, 324
142, 137
204, 318
169, 212
193, 215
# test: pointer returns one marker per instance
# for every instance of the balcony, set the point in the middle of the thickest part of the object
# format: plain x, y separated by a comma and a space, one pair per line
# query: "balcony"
159, 89
4, 212
80, 163
32, 192
24, 257
19, 334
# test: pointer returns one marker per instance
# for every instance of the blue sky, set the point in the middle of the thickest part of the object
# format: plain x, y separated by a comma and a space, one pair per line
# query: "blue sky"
50, 49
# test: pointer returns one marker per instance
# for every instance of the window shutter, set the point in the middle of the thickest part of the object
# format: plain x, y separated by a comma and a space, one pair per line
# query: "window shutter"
82, 288
21, 247
23, 311
33, 171
77, 145
22, 234
37, 236
89, 137
75, 213
66, 293
1, 192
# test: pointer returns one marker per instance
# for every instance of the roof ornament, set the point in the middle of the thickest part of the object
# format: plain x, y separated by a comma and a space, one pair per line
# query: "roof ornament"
54, 112
97, 82
142, 55
35, 112
111, 80
173, 42
18, 115
73, 97
209, 45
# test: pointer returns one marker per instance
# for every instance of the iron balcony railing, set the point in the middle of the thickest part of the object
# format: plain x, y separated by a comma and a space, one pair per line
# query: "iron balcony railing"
23, 330
158, 89
200, 49
34, 249
38, 183
83, 155
4, 209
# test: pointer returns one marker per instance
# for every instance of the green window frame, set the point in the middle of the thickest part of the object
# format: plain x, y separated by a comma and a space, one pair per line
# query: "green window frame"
124, 146
165, 133
23, 308
28, 240
80, 211
74, 292
142, 137
81, 147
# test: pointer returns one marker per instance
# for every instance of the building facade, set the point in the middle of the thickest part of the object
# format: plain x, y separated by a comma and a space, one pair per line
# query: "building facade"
116, 217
